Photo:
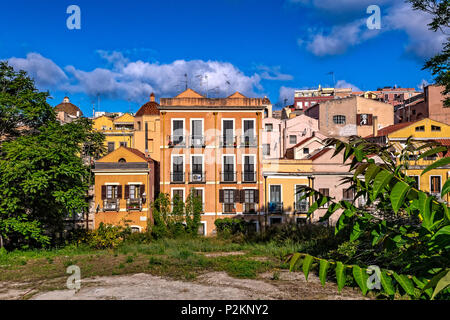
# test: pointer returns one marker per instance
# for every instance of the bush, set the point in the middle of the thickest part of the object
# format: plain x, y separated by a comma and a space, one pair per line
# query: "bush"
232, 227
105, 237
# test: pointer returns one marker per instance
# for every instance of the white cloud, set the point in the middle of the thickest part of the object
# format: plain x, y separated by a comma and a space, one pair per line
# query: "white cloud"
345, 84
287, 93
44, 71
273, 73
422, 84
134, 80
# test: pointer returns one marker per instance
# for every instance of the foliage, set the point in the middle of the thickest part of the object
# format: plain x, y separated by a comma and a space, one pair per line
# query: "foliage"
439, 64
104, 237
231, 226
181, 219
408, 226
43, 178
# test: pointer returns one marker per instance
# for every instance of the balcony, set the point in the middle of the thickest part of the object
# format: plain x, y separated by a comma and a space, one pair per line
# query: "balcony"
197, 177
249, 141
177, 177
176, 141
228, 177
197, 141
111, 205
248, 177
228, 142
229, 208
134, 204
301, 206
249, 208
275, 207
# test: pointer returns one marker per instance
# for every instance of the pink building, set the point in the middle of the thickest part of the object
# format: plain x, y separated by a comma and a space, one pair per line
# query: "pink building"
280, 135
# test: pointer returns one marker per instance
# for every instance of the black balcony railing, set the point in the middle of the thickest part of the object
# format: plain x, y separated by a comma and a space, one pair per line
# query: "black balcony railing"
228, 141
250, 208
177, 141
228, 176
134, 204
177, 177
197, 177
301, 206
249, 141
111, 205
197, 141
275, 207
248, 176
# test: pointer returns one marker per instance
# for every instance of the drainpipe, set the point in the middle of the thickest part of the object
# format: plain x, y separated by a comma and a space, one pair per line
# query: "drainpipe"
258, 159
163, 160
215, 165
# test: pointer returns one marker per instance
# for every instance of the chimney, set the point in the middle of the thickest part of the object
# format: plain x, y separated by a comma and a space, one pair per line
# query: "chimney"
152, 97
375, 126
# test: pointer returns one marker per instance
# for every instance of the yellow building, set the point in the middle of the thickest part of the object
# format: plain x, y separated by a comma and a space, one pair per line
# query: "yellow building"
421, 131
147, 129
118, 131
124, 189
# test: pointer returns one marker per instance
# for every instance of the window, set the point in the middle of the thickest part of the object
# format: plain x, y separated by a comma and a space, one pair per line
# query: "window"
139, 126
364, 119
197, 193
435, 182
228, 200
228, 174
197, 133
275, 204
177, 193
435, 128
275, 220
228, 132
339, 119
111, 192
122, 160
266, 149
177, 132
110, 147
306, 103
414, 111
420, 128
177, 169
326, 193
123, 144
347, 194
249, 196
299, 105
135, 191
249, 169
201, 229
269, 127
292, 139
197, 174
305, 150
301, 205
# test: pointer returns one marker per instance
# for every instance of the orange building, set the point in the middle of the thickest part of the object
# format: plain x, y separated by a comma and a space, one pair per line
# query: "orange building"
212, 147
147, 129
124, 189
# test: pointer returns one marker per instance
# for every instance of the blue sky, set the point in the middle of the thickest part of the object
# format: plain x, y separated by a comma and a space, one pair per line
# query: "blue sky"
127, 49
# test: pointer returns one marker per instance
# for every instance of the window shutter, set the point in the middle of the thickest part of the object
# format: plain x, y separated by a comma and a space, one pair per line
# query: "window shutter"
236, 196
242, 196
127, 191
141, 189
119, 192
358, 119
256, 196
221, 196
103, 192
369, 119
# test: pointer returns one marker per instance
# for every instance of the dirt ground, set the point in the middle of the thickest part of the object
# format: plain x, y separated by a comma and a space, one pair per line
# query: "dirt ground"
208, 286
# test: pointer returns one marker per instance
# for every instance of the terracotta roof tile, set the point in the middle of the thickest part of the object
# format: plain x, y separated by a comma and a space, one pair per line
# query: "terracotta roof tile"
318, 153
389, 129
149, 108
139, 154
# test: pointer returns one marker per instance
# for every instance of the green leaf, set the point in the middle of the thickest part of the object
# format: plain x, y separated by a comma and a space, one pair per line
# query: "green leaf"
434, 281
432, 152
445, 188
360, 169
386, 282
323, 268
440, 163
398, 195
443, 283
356, 232
425, 209
405, 283
307, 262
371, 172
294, 260
361, 278
381, 180
340, 275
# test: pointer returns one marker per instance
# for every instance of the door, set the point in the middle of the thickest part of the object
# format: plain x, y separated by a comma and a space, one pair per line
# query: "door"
228, 132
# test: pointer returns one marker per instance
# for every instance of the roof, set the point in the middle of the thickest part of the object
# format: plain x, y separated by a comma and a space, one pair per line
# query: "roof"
69, 108
139, 154
389, 129
318, 153
149, 108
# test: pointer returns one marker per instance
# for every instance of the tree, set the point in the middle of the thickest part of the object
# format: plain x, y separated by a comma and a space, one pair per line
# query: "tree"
403, 229
43, 177
439, 64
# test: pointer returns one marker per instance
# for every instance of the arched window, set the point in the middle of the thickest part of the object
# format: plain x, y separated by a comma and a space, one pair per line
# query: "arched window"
122, 160
339, 119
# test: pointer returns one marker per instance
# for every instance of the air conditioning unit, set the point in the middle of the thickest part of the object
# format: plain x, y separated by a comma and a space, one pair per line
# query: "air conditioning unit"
197, 177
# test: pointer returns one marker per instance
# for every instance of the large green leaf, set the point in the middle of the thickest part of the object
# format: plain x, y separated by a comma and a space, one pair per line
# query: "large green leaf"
405, 283
398, 194
381, 180
386, 282
440, 163
434, 281
443, 283
361, 278
323, 268
356, 232
371, 172
425, 209
295, 260
340, 275
432, 152
445, 188
307, 262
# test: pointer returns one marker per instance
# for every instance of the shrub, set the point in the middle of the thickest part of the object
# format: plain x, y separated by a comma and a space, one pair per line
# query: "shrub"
232, 227
105, 237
